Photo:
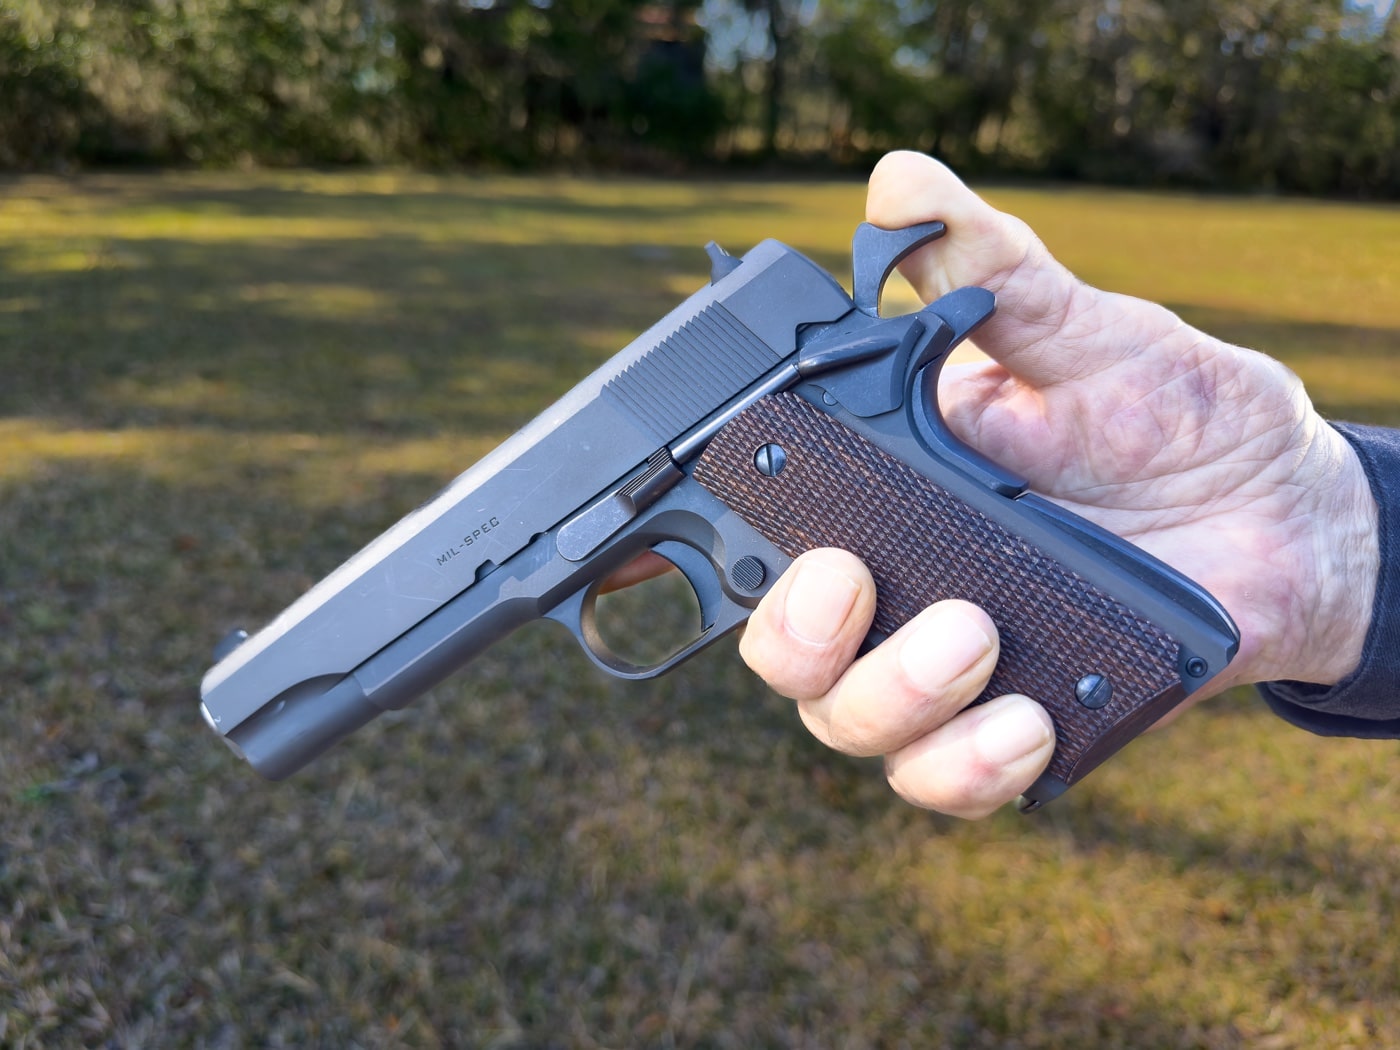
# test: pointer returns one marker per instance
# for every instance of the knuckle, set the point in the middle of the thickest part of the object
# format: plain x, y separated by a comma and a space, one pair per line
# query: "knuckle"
786, 672
969, 791
856, 734
808, 687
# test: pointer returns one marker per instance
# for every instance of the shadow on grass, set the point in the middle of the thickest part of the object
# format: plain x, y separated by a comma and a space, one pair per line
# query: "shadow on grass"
1279, 855
400, 336
421, 198
386, 336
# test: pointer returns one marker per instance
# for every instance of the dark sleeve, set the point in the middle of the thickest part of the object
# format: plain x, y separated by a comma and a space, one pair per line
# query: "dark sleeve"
1367, 703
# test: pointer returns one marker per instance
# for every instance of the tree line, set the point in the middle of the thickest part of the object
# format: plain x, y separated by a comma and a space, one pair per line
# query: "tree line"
1293, 95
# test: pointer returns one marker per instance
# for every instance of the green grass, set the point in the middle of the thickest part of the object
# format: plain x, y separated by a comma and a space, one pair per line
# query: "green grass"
213, 388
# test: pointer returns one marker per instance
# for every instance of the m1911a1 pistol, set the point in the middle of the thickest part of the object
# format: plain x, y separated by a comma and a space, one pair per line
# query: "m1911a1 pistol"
768, 414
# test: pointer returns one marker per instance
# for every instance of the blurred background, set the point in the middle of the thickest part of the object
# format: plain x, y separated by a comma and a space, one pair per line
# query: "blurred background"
272, 273
1296, 95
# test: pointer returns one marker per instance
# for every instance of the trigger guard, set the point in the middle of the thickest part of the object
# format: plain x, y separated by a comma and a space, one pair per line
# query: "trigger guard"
577, 614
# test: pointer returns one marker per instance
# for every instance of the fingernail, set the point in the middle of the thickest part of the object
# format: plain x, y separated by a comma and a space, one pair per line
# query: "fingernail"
943, 647
1011, 732
818, 602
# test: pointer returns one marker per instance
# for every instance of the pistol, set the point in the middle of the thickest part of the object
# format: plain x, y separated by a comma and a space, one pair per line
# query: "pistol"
768, 414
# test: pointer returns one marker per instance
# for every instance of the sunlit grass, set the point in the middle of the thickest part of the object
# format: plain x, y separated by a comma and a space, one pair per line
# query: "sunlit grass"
1280, 259
317, 467
214, 387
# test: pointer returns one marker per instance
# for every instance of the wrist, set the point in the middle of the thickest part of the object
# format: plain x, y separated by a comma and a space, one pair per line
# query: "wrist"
1341, 524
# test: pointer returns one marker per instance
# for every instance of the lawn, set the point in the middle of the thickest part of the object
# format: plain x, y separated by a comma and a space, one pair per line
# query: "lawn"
213, 388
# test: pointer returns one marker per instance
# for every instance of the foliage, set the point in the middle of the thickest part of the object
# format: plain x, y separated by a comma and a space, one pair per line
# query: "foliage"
1300, 95
1259, 95
44, 103
279, 82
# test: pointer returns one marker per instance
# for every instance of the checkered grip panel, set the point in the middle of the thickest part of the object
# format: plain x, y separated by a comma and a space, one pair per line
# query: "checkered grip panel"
923, 545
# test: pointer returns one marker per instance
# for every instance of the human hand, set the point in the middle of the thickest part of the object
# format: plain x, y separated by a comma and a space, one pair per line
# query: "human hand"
1206, 455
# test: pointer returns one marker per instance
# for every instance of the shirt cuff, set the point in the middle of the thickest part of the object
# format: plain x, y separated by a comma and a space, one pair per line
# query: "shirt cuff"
1367, 702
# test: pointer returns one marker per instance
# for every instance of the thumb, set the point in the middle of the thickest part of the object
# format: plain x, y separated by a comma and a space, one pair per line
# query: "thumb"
1038, 300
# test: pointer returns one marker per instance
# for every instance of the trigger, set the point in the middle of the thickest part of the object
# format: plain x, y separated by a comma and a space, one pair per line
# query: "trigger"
696, 568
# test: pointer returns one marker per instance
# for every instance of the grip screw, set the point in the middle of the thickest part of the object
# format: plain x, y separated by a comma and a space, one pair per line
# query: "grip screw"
1093, 691
770, 460
1196, 667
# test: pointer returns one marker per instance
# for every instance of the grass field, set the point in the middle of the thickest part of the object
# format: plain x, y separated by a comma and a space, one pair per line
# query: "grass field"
213, 388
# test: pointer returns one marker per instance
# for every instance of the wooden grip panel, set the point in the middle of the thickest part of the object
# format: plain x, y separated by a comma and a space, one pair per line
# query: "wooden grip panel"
922, 545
